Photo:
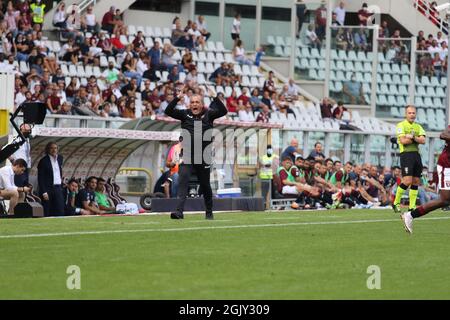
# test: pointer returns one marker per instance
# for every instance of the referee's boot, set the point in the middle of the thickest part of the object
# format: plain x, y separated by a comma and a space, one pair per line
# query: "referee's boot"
209, 215
396, 208
176, 215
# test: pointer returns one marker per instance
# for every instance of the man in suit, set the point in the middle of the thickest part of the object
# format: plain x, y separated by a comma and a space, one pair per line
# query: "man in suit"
50, 181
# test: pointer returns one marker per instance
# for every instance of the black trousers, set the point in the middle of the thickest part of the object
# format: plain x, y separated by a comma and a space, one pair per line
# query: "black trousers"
203, 174
55, 204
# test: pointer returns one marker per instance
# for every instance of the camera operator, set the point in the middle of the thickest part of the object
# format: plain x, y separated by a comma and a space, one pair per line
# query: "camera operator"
24, 152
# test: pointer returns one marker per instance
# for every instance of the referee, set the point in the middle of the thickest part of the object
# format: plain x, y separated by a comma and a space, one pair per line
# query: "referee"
196, 124
409, 135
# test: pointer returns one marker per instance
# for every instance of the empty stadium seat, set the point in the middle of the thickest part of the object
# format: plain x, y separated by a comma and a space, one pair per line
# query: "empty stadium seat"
220, 47
271, 40
315, 53
420, 91
313, 64
312, 73
395, 112
382, 100
72, 70
418, 102
362, 56
132, 29
96, 72
440, 92
167, 33
396, 69
352, 56
209, 68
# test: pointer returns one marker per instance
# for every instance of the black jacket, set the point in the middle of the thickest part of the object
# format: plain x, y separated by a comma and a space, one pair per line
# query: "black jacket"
202, 123
45, 173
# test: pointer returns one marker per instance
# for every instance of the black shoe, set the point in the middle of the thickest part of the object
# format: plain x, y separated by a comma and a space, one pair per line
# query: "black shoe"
209, 216
176, 215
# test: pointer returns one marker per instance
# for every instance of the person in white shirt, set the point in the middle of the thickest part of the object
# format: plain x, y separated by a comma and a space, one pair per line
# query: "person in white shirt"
340, 13
246, 114
89, 21
197, 36
62, 92
236, 28
239, 53
141, 65
59, 18
311, 37
444, 51
20, 96
8, 190
203, 28
24, 152
440, 39
10, 66
292, 90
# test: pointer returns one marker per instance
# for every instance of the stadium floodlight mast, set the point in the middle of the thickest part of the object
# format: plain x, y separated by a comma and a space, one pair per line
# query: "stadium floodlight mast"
446, 7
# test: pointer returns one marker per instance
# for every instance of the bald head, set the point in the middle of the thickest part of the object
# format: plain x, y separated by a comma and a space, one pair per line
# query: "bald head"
196, 104
294, 142
410, 113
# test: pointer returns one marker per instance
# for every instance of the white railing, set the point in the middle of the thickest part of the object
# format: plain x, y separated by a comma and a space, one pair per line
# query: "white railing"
425, 8
84, 4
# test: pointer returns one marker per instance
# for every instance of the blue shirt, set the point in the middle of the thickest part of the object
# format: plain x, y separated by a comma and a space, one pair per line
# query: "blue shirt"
289, 152
155, 55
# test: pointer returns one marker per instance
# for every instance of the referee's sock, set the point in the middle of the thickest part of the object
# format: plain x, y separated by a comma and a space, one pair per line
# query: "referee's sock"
398, 195
413, 192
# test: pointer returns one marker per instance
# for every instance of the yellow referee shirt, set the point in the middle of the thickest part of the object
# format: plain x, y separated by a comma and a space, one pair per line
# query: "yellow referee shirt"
403, 128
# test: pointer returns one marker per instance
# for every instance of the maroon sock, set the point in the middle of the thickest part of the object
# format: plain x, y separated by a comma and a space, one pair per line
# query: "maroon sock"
418, 212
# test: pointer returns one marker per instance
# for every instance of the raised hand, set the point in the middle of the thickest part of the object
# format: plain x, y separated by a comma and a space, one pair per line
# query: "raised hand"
180, 92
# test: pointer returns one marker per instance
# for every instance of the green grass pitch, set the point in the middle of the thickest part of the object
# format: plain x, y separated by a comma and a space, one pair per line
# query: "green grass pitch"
278, 255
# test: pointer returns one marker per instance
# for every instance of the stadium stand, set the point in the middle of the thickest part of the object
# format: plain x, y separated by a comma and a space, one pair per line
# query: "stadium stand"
128, 71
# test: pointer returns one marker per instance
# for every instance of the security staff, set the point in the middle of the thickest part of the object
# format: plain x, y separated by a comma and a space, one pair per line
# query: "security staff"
196, 124
410, 134
37, 13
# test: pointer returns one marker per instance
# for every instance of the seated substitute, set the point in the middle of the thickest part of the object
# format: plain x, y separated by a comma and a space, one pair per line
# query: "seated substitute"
288, 183
70, 195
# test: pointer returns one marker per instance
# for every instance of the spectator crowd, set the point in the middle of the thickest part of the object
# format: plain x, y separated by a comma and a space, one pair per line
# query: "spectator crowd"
316, 181
138, 78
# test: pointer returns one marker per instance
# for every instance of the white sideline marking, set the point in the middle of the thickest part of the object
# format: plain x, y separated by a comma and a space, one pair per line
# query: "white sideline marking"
77, 233
297, 217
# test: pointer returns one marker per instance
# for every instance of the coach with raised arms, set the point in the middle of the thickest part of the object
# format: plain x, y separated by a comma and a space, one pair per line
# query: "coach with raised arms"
196, 120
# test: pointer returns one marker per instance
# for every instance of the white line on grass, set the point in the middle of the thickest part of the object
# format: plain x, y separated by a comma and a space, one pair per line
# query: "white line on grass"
297, 217
78, 233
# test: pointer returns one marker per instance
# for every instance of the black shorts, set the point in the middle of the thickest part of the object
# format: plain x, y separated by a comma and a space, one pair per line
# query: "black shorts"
235, 36
411, 164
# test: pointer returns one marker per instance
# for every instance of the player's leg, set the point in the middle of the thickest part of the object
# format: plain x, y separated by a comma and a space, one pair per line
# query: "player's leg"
184, 174
441, 202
